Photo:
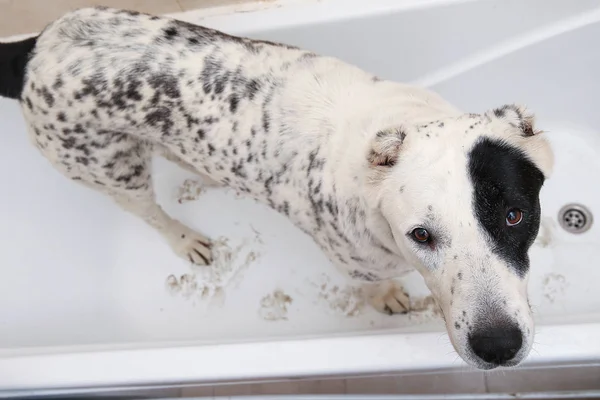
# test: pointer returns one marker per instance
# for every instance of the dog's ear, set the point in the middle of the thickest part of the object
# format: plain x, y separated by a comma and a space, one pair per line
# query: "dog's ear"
517, 116
385, 147
523, 133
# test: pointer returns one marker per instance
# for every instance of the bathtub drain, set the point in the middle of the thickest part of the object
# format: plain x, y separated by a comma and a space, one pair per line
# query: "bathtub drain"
575, 218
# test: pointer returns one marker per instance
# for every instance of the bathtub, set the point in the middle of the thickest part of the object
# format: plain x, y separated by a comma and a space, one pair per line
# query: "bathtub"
92, 298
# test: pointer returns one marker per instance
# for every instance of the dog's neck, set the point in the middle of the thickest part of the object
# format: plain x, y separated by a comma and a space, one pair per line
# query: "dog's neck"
392, 105
336, 118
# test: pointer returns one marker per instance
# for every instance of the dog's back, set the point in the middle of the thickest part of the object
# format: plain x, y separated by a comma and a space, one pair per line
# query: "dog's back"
114, 80
143, 74
105, 88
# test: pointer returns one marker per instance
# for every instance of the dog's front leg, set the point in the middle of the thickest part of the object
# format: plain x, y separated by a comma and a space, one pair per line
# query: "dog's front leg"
387, 296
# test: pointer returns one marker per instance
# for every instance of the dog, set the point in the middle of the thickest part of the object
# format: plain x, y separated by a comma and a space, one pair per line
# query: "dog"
385, 177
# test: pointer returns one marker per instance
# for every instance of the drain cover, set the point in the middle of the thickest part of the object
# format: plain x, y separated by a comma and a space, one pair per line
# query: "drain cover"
575, 218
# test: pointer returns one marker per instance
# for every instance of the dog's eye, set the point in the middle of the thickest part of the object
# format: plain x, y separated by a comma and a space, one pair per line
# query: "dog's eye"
420, 235
514, 217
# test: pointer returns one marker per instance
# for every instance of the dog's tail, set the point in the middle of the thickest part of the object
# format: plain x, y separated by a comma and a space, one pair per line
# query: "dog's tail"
14, 57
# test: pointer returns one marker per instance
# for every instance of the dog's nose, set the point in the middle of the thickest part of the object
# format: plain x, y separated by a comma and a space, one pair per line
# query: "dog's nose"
496, 345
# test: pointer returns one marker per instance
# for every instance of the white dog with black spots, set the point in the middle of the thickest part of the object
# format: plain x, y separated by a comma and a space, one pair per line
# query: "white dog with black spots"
383, 176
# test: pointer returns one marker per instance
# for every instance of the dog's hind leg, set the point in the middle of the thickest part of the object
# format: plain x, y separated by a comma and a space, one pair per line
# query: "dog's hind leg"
170, 156
184, 241
120, 166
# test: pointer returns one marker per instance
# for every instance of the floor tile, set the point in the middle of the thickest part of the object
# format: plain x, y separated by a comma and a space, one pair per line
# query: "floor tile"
29, 16
333, 386
443, 383
198, 391
146, 6
544, 379
195, 4
374, 385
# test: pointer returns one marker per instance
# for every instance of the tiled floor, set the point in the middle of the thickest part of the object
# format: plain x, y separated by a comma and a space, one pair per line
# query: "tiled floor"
549, 379
28, 16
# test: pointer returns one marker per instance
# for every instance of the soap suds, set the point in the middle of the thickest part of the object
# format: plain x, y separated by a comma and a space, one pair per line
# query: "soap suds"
274, 306
349, 301
554, 286
190, 190
209, 283
345, 300
544, 237
186, 286
424, 309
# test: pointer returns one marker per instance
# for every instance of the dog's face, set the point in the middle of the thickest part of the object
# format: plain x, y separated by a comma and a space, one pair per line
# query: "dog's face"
461, 197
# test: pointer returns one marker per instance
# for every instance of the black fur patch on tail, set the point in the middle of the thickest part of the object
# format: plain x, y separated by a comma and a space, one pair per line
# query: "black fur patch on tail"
13, 62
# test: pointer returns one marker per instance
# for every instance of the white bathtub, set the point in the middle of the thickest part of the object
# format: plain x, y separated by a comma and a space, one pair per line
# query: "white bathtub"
85, 300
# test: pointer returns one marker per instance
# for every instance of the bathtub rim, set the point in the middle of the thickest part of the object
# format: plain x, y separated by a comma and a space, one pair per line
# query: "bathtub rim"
370, 354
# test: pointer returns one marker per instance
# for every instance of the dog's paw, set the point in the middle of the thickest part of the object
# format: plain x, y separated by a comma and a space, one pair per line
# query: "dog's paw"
192, 246
198, 251
388, 297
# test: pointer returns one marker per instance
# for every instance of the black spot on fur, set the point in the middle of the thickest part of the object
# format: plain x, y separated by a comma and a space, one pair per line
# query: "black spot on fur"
68, 143
48, 97
500, 112
252, 87
133, 92
78, 129
504, 178
133, 171
82, 160
364, 276
84, 149
167, 84
58, 83
233, 103
266, 121
161, 117
171, 33
131, 13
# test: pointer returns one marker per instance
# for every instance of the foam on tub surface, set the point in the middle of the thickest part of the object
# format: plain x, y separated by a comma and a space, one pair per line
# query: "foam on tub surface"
274, 306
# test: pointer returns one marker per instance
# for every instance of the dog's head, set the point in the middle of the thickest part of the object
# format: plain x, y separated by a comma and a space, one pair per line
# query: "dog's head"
461, 197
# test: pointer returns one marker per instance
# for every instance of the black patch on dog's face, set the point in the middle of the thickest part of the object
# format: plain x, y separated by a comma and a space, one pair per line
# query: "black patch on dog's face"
504, 178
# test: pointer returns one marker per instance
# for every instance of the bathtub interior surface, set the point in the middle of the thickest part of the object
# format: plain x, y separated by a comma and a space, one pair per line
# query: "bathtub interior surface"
79, 271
